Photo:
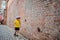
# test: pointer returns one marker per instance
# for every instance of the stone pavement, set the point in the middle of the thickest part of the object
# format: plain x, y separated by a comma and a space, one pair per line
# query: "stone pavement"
6, 33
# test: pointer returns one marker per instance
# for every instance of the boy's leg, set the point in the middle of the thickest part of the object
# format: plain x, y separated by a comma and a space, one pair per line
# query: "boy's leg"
16, 31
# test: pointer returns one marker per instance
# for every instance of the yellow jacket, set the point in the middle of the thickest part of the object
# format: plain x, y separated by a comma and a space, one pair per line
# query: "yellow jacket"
17, 23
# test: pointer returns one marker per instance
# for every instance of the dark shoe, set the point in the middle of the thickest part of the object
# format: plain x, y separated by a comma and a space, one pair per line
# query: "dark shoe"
14, 34
17, 35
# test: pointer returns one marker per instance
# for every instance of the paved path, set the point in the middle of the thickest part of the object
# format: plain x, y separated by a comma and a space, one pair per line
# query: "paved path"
6, 33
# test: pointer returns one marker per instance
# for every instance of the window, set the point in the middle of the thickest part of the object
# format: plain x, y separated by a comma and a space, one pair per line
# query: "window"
3, 4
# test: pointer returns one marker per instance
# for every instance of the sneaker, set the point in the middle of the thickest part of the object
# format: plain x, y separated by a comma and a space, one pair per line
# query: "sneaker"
15, 34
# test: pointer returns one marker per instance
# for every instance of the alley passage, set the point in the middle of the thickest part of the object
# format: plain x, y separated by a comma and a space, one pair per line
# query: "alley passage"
6, 33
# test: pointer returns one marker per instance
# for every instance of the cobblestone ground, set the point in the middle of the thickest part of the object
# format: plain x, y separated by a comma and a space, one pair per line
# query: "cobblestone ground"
6, 33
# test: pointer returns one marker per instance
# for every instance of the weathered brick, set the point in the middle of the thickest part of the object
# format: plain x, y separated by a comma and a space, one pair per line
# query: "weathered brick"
56, 20
34, 14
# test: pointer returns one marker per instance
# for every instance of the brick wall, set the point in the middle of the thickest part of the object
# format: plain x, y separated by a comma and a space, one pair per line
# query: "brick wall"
39, 18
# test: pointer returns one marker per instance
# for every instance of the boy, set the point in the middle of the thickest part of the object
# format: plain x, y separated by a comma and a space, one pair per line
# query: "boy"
17, 24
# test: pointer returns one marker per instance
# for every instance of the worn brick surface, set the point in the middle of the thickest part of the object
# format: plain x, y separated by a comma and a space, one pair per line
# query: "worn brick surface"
36, 13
